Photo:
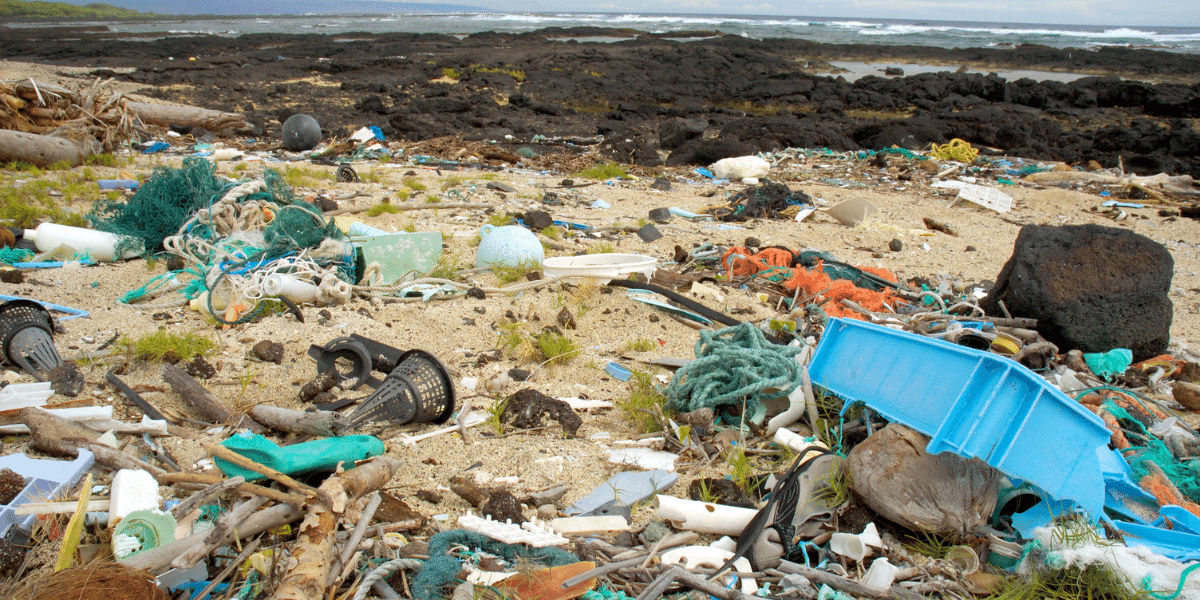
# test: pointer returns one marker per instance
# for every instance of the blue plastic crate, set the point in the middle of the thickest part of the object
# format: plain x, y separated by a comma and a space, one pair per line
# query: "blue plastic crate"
46, 481
971, 402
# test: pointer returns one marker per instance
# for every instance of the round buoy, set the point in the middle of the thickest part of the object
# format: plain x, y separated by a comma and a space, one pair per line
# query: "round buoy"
300, 133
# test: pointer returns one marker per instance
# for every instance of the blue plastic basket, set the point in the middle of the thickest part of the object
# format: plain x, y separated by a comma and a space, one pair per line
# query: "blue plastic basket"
971, 402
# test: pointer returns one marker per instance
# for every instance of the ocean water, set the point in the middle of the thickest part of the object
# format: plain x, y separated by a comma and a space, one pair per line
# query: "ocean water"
945, 34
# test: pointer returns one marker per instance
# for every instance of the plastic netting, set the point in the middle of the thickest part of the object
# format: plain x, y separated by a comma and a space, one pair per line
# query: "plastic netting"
441, 569
733, 365
1185, 475
161, 205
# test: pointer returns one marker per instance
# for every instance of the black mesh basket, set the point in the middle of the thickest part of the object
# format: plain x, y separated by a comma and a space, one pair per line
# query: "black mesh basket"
418, 390
27, 334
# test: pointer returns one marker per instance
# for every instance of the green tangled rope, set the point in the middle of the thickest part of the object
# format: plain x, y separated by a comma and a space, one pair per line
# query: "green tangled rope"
732, 365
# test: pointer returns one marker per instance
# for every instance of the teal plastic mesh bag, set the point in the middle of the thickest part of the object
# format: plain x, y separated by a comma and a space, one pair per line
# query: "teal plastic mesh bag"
298, 226
441, 568
161, 205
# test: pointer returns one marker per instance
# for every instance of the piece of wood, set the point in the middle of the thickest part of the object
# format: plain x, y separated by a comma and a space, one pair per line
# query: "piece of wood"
223, 453
312, 553
58, 508
360, 528
219, 123
156, 560
321, 423
836, 582
41, 150
61, 437
296, 500
204, 402
230, 568
195, 500
227, 524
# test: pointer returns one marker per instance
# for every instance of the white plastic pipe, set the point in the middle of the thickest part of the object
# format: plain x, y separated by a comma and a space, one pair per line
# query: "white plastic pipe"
796, 442
296, 290
848, 545
880, 576
703, 517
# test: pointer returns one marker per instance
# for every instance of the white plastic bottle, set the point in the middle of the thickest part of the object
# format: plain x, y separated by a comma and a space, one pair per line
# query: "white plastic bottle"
100, 245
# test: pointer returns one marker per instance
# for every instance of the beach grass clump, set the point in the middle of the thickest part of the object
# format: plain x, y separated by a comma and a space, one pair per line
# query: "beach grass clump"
298, 177
500, 220
414, 184
645, 406
513, 72
640, 345
555, 347
510, 274
28, 204
101, 160
382, 208
451, 73
605, 171
169, 347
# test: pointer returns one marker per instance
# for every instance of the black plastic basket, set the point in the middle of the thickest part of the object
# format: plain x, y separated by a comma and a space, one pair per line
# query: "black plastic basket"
26, 337
418, 390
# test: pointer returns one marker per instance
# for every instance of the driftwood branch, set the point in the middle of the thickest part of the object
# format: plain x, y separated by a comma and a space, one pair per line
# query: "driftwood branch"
61, 437
313, 553
202, 479
322, 423
220, 123
223, 453
199, 398
41, 150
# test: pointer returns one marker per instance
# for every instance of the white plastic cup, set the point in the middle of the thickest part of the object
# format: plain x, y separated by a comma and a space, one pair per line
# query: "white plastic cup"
880, 576
964, 559
100, 245
848, 545
280, 284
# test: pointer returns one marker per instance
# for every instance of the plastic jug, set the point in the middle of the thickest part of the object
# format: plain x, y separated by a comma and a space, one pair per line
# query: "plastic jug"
511, 246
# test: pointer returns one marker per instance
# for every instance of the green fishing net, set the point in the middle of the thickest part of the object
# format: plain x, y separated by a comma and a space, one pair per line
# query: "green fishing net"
441, 569
1184, 474
161, 205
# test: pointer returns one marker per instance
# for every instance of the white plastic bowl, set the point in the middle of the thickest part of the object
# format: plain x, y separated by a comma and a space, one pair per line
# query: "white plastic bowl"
605, 267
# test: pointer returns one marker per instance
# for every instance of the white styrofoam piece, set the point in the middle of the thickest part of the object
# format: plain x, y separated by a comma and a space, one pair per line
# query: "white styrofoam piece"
880, 576
132, 490
584, 525
740, 167
644, 458
691, 557
48, 480
531, 533
24, 395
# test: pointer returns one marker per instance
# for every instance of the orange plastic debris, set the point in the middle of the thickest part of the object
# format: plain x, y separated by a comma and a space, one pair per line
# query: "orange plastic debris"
546, 584
1166, 494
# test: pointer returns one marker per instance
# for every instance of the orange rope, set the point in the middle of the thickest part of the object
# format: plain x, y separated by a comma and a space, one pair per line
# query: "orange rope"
1165, 493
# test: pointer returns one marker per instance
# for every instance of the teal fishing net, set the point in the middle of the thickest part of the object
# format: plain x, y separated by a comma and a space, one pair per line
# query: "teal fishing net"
1184, 474
161, 205
442, 568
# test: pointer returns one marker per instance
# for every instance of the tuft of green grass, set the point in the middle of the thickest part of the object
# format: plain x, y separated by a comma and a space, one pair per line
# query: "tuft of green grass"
556, 348
602, 248
511, 274
708, 495
447, 267
640, 345
499, 220
297, 177
451, 73
645, 405
931, 545
371, 176
553, 232
605, 171
381, 208
495, 414
452, 181
835, 489
103, 160
28, 204
414, 184
164, 346
1096, 582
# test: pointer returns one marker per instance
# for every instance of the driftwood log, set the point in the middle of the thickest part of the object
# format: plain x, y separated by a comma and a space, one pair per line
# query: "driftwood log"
208, 405
321, 423
61, 437
217, 122
42, 150
312, 555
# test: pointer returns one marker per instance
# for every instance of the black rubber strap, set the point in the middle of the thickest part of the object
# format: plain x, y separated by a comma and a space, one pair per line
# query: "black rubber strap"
687, 303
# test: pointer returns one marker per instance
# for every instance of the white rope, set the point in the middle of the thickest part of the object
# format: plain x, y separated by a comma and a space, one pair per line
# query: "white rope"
382, 572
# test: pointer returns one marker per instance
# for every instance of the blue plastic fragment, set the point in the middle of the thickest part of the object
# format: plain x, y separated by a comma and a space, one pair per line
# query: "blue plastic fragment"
625, 488
1120, 204
971, 402
703, 172
72, 313
1181, 519
378, 133
155, 147
1109, 364
1179, 545
570, 225
117, 184
616, 370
